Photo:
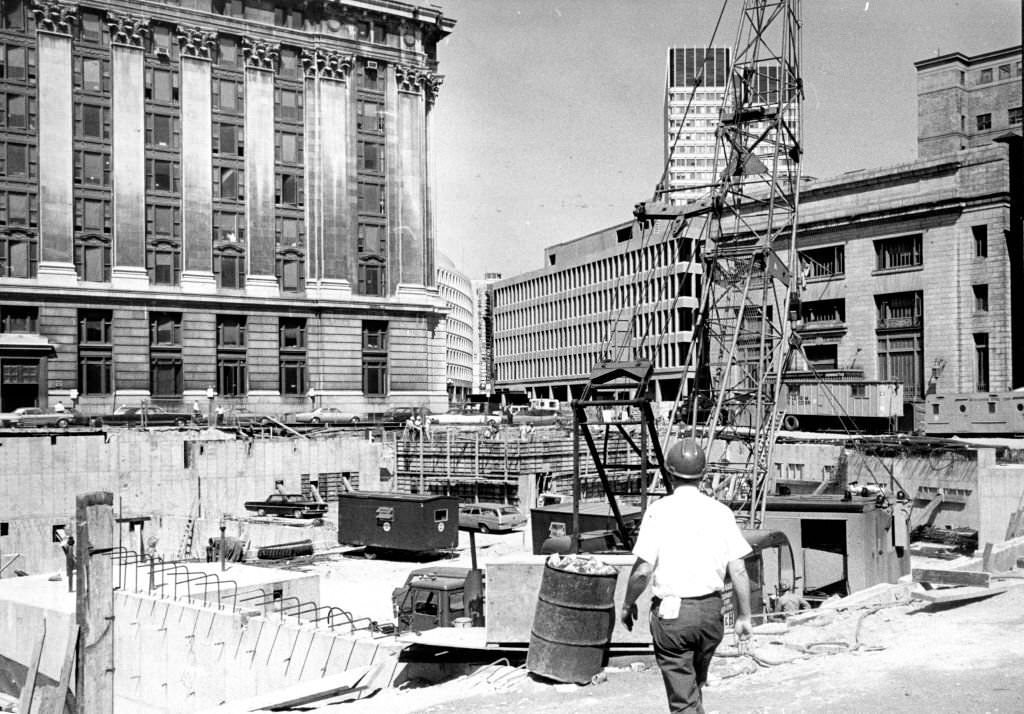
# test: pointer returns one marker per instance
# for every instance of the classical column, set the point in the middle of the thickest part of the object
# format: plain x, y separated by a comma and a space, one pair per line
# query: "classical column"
330, 223
127, 44
407, 214
260, 64
431, 87
56, 165
196, 150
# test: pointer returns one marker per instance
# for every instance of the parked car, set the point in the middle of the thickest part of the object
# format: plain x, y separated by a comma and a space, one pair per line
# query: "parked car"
487, 517
289, 505
10, 418
327, 415
149, 416
399, 415
469, 414
34, 416
242, 417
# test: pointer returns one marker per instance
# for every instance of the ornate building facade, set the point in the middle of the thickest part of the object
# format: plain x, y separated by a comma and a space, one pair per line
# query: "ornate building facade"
223, 194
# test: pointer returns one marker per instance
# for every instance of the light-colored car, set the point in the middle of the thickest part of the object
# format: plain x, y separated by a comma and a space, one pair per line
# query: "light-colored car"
34, 416
470, 414
11, 418
327, 415
487, 517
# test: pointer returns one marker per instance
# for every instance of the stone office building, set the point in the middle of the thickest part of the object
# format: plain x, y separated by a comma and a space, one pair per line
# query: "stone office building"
225, 194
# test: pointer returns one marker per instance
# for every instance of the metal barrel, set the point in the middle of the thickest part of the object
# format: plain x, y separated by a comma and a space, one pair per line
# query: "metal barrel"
572, 625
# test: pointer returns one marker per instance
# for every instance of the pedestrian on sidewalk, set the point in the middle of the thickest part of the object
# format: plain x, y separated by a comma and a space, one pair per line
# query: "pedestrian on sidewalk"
687, 543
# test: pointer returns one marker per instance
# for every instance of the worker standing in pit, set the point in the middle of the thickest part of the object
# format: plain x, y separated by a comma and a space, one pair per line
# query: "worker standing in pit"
687, 542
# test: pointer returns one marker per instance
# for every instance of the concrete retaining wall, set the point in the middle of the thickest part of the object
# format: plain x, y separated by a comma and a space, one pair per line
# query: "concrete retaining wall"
174, 656
167, 474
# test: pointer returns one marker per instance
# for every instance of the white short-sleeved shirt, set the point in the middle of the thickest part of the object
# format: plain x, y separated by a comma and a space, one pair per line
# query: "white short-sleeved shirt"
689, 538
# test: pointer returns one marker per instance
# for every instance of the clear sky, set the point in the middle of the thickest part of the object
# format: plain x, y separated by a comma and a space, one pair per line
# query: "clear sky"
549, 123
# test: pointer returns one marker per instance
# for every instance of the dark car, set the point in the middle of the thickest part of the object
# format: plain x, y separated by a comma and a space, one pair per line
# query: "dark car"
400, 415
149, 416
34, 416
293, 505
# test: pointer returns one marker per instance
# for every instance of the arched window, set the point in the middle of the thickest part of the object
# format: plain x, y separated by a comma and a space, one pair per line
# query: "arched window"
19, 254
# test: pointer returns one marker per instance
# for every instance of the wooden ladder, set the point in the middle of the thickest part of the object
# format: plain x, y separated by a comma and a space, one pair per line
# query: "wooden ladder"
185, 549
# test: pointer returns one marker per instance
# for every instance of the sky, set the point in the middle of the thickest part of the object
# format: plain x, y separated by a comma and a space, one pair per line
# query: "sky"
548, 126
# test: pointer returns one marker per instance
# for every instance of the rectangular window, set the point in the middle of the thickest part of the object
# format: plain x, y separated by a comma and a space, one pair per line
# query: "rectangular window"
229, 267
18, 112
289, 231
980, 234
292, 333
293, 375
163, 130
897, 253
92, 168
92, 122
95, 327
288, 63
227, 95
231, 373
19, 319
985, 76
375, 358
370, 157
227, 139
1004, 71
90, 29
19, 209
289, 190
981, 298
370, 77
288, 147
91, 75
227, 52
292, 336
165, 329
370, 278
95, 371
290, 271
823, 262
165, 374
230, 331
981, 366
18, 161
984, 121
371, 198
1014, 115
163, 262
93, 259
92, 215
161, 86
288, 105
900, 310
163, 175
370, 117
163, 221
13, 17
371, 239
228, 183
228, 226
823, 311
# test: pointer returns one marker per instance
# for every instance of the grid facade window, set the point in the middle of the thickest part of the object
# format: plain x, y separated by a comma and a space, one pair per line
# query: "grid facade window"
19, 254
980, 298
19, 158
289, 189
823, 262
1014, 115
983, 121
371, 241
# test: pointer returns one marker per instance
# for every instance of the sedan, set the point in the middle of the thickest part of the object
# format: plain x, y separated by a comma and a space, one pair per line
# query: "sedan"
327, 415
33, 416
149, 416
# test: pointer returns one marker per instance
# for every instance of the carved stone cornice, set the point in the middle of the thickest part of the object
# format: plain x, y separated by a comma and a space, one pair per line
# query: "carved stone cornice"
326, 64
197, 43
260, 55
54, 16
127, 30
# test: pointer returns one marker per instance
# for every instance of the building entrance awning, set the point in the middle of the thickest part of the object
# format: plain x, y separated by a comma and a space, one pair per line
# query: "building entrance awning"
24, 344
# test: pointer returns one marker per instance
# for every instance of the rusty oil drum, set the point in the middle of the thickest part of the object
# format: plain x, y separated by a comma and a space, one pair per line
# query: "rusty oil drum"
572, 625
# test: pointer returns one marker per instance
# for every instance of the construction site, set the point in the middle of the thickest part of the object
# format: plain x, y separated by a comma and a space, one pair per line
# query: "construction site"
454, 565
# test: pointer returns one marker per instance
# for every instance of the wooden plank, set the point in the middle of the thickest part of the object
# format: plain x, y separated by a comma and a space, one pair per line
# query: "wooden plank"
57, 698
94, 678
958, 594
935, 576
986, 558
29, 690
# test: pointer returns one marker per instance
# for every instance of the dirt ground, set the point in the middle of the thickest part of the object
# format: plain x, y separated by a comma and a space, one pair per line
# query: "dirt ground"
907, 657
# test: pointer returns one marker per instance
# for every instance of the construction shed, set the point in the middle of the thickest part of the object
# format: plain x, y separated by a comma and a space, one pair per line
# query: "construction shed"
398, 521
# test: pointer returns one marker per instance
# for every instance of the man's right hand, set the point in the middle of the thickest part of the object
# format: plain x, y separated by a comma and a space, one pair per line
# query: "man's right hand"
628, 616
743, 628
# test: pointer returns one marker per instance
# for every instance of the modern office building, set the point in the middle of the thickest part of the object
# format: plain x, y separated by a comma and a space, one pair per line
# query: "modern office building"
967, 101
218, 194
457, 292
698, 89
912, 272
553, 325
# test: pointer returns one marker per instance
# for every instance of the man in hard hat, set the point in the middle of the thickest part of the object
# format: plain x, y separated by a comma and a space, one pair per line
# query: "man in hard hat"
687, 542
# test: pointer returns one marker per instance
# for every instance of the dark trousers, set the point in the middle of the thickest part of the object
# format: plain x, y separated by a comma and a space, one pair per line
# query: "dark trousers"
683, 648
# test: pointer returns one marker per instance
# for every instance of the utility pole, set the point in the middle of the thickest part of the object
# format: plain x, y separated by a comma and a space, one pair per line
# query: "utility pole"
94, 612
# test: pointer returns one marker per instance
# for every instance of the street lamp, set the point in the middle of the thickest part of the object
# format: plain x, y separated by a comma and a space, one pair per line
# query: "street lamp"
210, 394
73, 396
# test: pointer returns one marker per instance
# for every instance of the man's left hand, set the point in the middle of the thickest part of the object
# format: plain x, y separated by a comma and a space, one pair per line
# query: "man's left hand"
628, 616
